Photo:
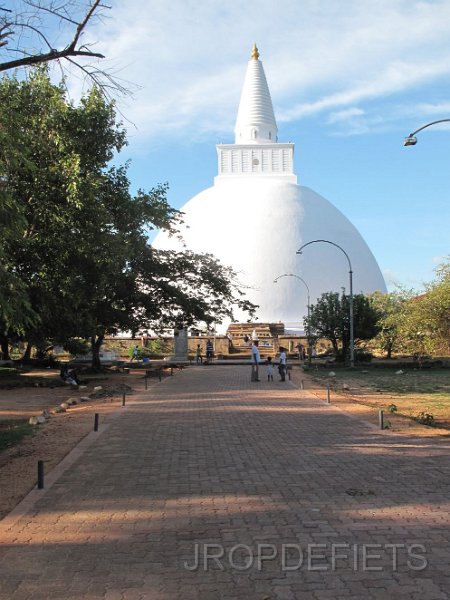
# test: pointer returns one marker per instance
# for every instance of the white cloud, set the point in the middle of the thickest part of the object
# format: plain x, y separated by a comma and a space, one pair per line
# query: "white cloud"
350, 121
320, 58
345, 115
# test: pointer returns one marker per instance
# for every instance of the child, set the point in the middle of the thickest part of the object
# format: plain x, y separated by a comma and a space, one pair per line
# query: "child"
269, 369
199, 354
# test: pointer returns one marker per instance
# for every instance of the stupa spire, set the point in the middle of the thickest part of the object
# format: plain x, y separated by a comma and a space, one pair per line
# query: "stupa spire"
255, 52
255, 123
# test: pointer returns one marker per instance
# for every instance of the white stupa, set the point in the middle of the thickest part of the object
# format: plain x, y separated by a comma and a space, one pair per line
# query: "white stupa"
255, 217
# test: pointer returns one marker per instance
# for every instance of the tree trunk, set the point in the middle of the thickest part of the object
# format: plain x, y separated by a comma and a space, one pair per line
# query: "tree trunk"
335, 346
27, 355
96, 344
4, 347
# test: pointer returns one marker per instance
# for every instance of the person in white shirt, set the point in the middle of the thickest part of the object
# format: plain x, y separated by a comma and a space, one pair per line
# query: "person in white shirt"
269, 369
282, 364
256, 357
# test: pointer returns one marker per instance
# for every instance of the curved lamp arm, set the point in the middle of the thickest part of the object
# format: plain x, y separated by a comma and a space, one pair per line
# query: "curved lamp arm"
300, 250
293, 275
352, 338
308, 306
411, 140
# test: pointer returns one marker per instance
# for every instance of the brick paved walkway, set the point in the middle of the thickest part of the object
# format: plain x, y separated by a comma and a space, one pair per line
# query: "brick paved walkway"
260, 475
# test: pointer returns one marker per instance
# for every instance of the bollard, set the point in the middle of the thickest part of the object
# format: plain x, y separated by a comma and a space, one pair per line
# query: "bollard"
123, 399
302, 385
381, 418
96, 422
328, 394
146, 383
40, 475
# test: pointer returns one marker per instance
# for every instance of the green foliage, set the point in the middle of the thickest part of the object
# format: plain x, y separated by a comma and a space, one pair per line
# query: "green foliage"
76, 258
389, 307
7, 371
76, 346
425, 418
392, 408
425, 323
363, 356
330, 319
416, 324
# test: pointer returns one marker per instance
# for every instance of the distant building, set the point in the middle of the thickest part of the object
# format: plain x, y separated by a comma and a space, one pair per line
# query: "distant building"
255, 217
265, 333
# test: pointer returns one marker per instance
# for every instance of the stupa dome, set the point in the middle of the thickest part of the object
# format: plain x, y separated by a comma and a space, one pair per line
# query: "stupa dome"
255, 217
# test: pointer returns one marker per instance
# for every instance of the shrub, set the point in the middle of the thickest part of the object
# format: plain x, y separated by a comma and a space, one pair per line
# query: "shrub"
76, 346
363, 356
6, 371
426, 419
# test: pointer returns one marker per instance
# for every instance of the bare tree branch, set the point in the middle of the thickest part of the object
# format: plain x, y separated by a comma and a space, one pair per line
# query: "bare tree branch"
33, 23
28, 61
83, 24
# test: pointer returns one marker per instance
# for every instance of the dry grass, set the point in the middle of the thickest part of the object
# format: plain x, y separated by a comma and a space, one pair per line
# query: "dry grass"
363, 392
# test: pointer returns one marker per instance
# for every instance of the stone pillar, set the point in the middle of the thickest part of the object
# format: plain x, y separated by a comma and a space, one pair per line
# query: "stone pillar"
181, 344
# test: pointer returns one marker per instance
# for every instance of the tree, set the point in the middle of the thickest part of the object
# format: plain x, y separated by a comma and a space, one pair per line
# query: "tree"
424, 322
31, 35
80, 247
390, 307
329, 319
413, 323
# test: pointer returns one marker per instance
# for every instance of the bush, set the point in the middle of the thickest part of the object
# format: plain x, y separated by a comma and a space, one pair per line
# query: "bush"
76, 346
6, 371
426, 419
363, 356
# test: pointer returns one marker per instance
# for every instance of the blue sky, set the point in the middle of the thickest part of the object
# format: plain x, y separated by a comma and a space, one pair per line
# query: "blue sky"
349, 80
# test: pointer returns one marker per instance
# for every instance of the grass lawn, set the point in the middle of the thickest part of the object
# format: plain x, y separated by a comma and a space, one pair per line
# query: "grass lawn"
412, 392
11, 432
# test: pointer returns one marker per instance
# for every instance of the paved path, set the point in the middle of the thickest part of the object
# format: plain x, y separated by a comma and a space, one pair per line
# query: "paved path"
259, 475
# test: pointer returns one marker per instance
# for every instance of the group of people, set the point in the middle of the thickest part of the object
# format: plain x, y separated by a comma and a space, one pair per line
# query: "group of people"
209, 352
256, 359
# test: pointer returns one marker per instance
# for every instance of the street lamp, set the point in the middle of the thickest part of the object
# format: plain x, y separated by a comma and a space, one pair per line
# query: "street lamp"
307, 306
352, 341
411, 140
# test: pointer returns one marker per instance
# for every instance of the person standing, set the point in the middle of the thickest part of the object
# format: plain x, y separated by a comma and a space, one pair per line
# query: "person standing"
209, 350
256, 357
269, 369
230, 341
135, 353
199, 354
282, 364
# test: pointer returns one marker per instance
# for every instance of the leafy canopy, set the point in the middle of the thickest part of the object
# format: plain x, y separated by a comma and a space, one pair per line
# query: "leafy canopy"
75, 243
330, 319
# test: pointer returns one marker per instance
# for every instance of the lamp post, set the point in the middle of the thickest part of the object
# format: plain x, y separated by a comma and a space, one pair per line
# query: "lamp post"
411, 140
307, 306
352, 341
